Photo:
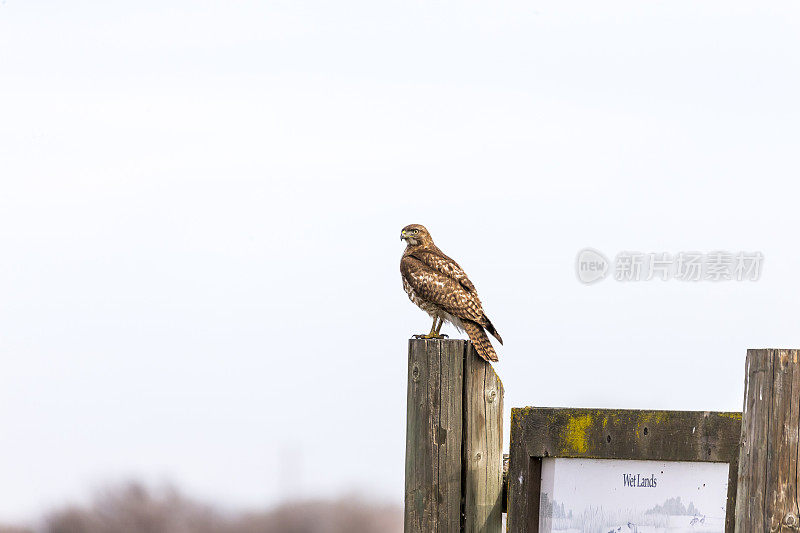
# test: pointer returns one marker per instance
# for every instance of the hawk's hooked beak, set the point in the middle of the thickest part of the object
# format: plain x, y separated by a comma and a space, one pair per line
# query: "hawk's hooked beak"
403, 235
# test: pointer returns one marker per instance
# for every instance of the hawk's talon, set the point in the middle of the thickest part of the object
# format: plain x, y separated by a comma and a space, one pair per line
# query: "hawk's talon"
430, 336
434, 333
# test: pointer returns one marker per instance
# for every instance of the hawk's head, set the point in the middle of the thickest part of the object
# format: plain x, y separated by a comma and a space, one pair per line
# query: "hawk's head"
415, 234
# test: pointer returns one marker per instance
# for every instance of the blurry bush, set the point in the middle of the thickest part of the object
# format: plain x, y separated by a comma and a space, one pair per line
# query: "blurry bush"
4, 529
133, 508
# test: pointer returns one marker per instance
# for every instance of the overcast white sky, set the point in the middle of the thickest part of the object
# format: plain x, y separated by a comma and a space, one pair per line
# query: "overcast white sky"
200, 205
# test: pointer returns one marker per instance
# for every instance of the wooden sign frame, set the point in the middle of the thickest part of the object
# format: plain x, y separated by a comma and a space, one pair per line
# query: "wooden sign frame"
539, 432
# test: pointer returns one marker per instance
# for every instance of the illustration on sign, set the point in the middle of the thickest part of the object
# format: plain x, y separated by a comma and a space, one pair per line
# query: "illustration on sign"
621, 496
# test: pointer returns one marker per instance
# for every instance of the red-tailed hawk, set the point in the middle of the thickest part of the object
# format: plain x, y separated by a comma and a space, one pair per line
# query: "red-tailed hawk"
438, 286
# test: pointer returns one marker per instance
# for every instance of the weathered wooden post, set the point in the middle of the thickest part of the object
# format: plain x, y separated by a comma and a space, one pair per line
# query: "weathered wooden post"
454, 439
434, 428
768, 474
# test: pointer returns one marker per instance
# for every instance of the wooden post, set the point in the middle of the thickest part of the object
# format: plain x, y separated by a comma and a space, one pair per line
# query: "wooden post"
453, 440
768, 475
483, 445
433, 436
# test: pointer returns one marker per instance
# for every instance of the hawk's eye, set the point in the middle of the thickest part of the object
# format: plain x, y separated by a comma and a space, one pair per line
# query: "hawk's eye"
414, 231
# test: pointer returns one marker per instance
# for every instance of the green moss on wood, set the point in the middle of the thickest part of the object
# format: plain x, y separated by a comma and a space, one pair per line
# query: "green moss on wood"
576, 436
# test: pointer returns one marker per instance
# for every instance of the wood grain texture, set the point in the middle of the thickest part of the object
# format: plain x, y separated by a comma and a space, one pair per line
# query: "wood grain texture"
434, 436
454, 440
612, 434
505, 482
483, 446
767, 497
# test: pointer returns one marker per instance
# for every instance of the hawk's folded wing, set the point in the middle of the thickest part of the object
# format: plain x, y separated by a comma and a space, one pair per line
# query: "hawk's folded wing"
441, 289
446, 266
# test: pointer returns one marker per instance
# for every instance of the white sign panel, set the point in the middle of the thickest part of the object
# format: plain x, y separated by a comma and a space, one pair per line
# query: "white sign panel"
618, 496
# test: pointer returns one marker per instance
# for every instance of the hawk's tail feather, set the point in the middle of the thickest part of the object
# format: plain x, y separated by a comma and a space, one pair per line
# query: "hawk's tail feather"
490, 328
480, 340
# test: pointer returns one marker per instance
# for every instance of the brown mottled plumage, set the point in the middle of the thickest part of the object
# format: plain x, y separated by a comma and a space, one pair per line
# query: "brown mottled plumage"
438, 286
